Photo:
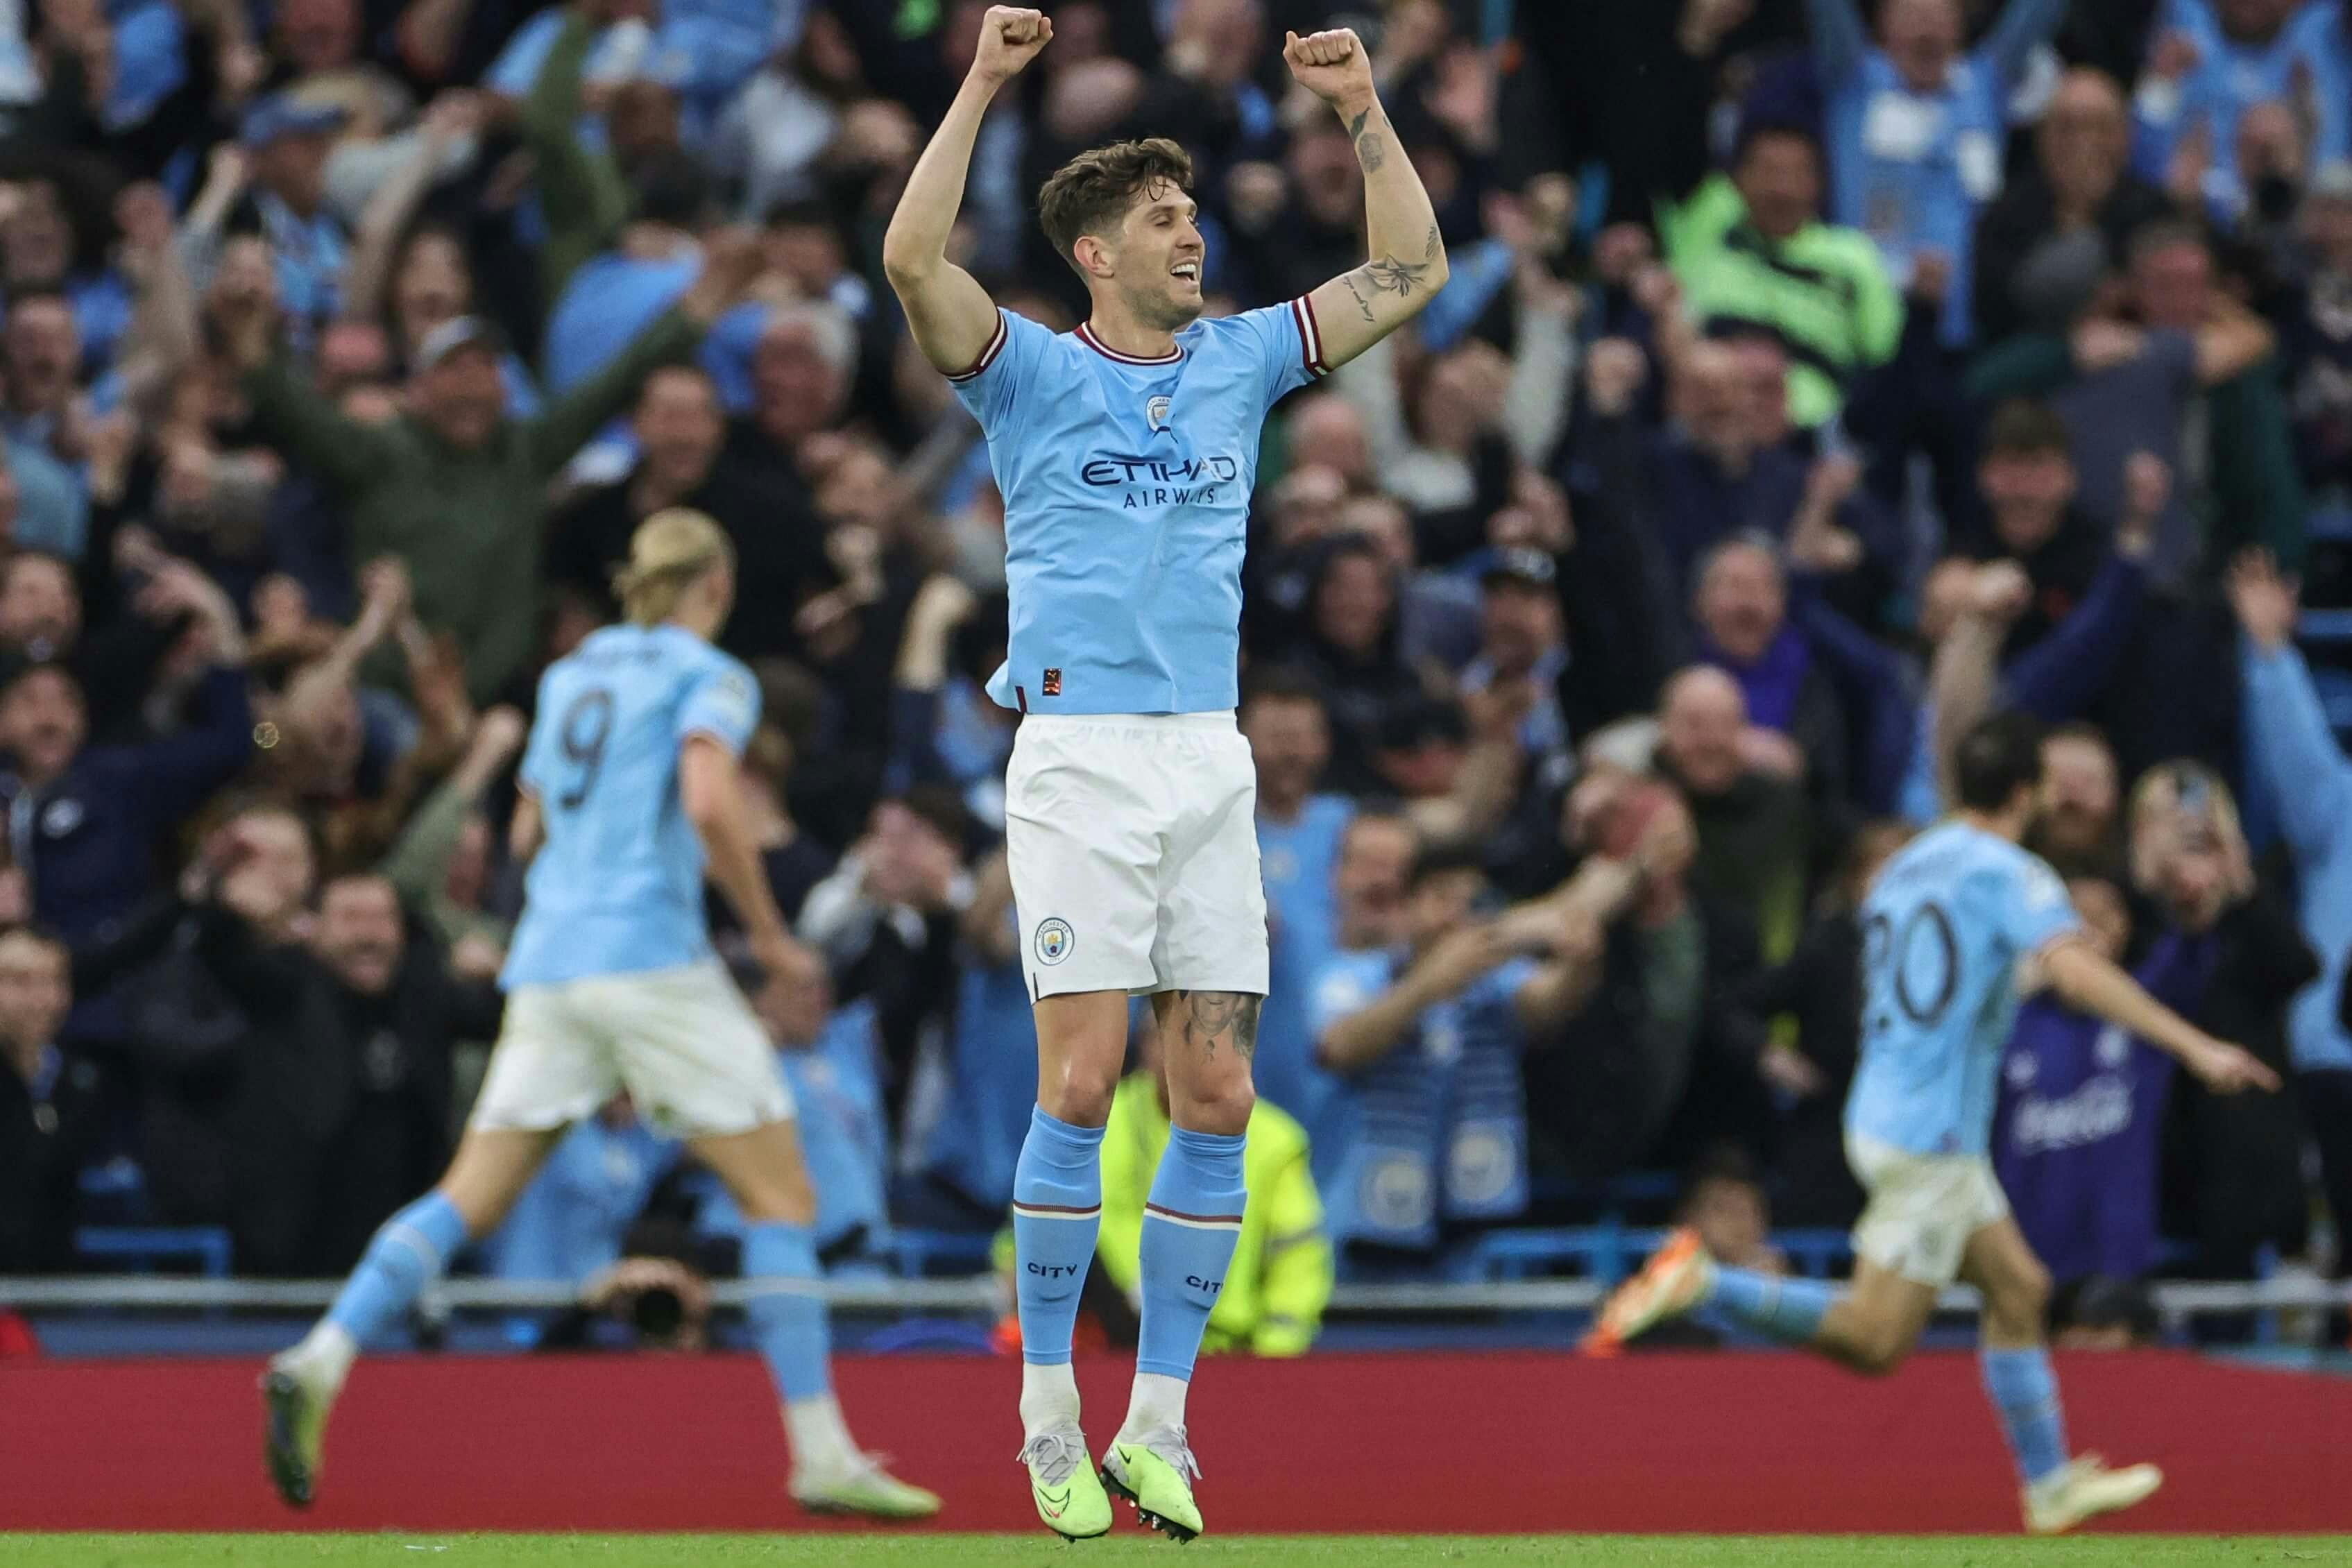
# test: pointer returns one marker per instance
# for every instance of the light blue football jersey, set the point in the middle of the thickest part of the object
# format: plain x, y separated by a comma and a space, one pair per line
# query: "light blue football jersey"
1946, 926
1127, 487
616, 888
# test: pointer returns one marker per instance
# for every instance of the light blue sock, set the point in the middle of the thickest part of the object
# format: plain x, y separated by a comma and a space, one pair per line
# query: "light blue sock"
408, 1253
1190, 1223
788, 1321
1786, 1309
2025, 1391
1056, 1210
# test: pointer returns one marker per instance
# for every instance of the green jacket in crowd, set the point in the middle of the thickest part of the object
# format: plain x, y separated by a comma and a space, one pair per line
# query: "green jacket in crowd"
469, 524
1824, 291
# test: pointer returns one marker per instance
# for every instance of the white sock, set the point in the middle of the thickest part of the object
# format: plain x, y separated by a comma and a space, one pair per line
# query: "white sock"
1158, 1401
819, 1438
1049, 1397
325, 1355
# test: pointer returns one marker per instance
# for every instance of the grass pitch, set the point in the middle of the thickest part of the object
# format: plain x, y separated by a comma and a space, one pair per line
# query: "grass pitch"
1124, 1547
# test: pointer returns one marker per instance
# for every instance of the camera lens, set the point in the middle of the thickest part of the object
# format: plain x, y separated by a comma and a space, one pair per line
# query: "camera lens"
657, 1313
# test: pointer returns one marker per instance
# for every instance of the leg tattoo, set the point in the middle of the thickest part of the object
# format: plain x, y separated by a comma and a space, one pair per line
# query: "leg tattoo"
1230, 1014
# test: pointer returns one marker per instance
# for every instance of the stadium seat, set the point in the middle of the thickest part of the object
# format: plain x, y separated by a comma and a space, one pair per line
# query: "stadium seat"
1819, 1253
143, 1248
922, 1253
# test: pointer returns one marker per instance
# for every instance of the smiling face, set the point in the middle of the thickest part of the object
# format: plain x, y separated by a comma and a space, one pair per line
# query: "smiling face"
1742, 601
1155, 260
1922, 39
1124, 217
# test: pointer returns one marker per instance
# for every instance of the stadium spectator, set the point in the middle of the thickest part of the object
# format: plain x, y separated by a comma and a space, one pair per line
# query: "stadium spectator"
972, 1145
2303, 773
1918, 132
287, 143
1300, 829
1523, 644
2080, 180
41, 620
456, 488
2316, 337
2221, 78
276, 1046
1280, 1279
1761, 843
397, 1009
1349, 645
1740, 606
2124, 387
2026, 476
944, 729
1751, 250
95, 813
441, 864
1659, 1067
682, 460
2237, 1180
2081, 1111
1431, 1122
885, 922
1709, 480
53, 1111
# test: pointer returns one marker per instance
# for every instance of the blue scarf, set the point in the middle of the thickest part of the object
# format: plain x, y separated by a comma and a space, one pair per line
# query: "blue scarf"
1439, 1125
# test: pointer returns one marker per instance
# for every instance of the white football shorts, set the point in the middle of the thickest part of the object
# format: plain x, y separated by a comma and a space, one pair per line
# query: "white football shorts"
1133, 845
1922, 1208
682, 1041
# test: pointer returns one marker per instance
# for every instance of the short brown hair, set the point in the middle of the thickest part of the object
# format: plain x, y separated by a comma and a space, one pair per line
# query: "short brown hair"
2024, 428
1095, 189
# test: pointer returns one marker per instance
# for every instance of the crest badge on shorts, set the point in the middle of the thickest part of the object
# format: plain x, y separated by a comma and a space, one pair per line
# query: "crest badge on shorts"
1054, 940
1155, 408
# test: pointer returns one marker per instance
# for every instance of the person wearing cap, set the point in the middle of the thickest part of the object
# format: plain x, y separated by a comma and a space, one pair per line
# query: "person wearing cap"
286, 140
453, 486
1521, 639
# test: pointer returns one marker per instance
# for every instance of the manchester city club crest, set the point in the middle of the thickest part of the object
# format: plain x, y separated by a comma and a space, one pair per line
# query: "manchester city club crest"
1054, 940
1156, 410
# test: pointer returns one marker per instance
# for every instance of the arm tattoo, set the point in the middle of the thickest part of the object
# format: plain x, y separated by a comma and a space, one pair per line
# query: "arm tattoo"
1210, 1014
1387, 275
1368, 151
1361, 303
1429, 251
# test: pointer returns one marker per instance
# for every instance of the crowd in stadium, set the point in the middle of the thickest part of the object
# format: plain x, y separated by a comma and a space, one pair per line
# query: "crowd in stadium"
1815, 377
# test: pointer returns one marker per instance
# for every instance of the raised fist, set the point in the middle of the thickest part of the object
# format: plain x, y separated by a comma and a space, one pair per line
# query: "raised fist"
1010, 38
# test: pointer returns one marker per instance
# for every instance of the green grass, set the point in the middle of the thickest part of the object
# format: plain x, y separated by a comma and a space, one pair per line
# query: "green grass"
980, 1551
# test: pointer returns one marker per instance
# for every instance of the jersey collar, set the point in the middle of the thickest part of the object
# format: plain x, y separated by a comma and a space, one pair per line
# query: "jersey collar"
1086, 336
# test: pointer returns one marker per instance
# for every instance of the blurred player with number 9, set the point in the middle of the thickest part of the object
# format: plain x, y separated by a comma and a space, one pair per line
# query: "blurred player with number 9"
630, 794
